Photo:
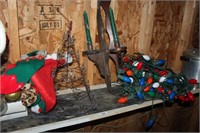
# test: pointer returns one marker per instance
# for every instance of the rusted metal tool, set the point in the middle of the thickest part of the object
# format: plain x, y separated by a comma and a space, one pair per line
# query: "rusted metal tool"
115, 51
99, 57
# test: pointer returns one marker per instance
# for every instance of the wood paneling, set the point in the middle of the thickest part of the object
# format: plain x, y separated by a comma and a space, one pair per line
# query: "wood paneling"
184, 39
146, 26
166, 30
161, 29
13, 31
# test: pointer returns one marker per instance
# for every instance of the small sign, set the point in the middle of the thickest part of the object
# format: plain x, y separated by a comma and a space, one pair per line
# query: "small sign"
49, 9
50, 24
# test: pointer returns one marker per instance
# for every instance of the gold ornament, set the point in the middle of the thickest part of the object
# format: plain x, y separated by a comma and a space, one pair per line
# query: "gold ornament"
13, 96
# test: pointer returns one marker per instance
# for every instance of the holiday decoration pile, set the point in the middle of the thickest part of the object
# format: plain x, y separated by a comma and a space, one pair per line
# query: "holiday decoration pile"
144, 78
31, 80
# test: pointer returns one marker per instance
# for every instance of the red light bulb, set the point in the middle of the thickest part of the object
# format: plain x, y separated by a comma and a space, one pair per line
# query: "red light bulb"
160, 89
125, 59
181, 98
190, 96
125, 69
139, 66
163, 73
193, 81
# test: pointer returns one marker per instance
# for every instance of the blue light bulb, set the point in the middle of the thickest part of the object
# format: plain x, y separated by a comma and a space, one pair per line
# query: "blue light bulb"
169, 81
172, 95
160, 62
151, 89
150, 122
125, 79
139, 95
142, 81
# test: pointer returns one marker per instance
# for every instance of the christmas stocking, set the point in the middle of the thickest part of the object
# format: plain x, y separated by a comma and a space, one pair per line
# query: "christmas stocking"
43, 82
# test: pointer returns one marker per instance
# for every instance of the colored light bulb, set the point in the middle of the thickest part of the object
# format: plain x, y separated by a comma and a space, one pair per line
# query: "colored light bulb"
160, 62
187, 99
169, 91
150, 80
129, 73
139, 66
155, 85
190, 96
139, 95
146, 57
150, 122
169, 81
181, 98
125, 59
160, 89
151, 93
162, 73
172, 95
135, 63
122, 100
125, 68
192, 81
142, 81
125, 99
146, 89
162, 79
155, 77
125, 79
151, 89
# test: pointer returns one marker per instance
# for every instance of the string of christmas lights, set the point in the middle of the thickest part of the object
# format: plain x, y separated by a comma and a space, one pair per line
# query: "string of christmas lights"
145, 78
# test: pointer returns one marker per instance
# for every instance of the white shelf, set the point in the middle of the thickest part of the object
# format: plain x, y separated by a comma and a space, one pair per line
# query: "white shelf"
14, 110
91, 117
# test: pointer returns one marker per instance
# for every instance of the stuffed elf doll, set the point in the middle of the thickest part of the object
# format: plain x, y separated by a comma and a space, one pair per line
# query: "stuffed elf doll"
33, 77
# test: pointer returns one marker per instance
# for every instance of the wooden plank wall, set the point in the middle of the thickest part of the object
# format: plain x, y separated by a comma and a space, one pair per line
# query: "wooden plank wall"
161, 29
